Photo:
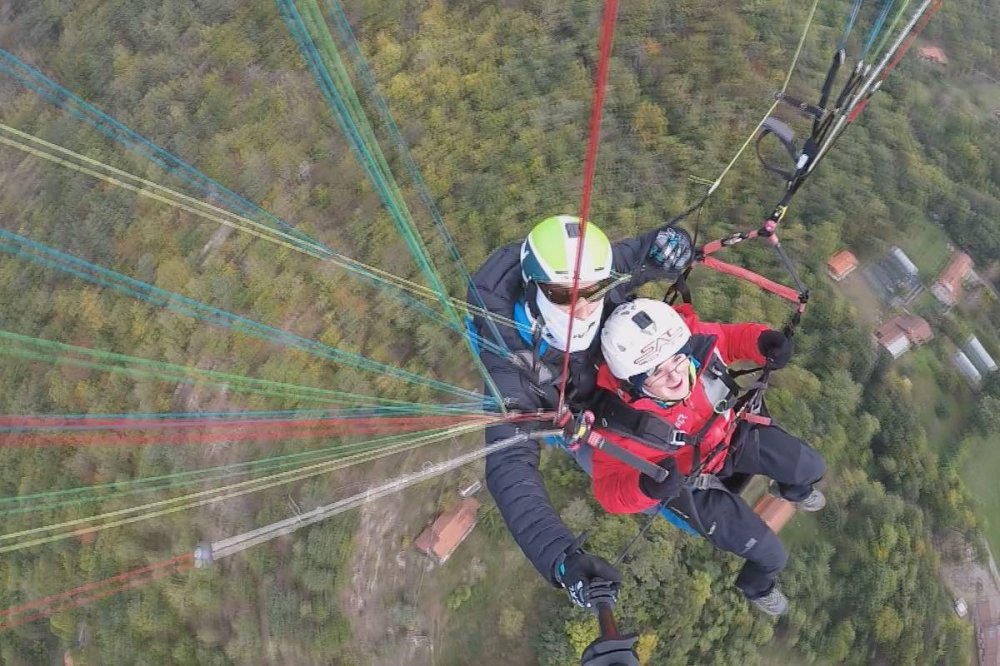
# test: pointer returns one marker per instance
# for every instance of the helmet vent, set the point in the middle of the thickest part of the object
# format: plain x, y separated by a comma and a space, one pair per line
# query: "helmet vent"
573, 229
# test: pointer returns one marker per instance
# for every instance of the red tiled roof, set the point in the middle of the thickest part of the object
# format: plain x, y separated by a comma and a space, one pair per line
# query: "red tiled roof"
915, 328
933, 53
951, 277
841, 264
774, 511
442, 537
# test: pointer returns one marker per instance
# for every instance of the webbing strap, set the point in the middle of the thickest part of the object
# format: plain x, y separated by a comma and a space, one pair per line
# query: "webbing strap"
614, 414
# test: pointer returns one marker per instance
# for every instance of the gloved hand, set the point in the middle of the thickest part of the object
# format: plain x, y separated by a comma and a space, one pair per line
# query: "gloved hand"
776, 348
672, 250
669, 488
579, 569
611, 652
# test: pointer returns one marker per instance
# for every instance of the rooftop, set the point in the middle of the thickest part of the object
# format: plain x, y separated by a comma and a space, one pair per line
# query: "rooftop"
445, 534
914, 328
948, 286
774, 511
933, 53
840, 264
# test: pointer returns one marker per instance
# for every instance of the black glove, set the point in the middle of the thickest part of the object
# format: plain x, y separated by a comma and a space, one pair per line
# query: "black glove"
611, 652
776, 348
578, 570
672, 250
669, 488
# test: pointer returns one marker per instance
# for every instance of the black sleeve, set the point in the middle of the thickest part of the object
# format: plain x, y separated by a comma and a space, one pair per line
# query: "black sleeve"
631, 256
516, 484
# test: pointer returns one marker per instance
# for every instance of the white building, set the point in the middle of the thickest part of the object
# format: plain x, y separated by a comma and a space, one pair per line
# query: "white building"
978, 355
968, 370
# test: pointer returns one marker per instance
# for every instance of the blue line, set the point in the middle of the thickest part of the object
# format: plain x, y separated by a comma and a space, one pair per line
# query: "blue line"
371, 86
851, 19
29, 77
877, 28
192, 308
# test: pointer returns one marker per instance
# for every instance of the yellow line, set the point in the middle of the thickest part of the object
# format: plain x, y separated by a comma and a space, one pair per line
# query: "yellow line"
231, 492
788, 78
232, 220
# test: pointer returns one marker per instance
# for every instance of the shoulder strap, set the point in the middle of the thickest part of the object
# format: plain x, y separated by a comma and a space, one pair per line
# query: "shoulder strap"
614, 414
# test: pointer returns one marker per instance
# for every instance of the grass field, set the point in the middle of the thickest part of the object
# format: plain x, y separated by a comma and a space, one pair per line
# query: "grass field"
943, 413
981, 469
927, 246
471, 632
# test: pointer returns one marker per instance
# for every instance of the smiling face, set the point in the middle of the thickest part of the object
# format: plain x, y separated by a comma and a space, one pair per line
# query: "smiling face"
671, 381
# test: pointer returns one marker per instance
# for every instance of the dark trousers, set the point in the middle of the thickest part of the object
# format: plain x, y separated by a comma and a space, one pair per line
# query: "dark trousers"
731, 525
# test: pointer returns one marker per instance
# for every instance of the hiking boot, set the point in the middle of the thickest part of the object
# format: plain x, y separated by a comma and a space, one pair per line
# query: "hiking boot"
773, 603
814, 502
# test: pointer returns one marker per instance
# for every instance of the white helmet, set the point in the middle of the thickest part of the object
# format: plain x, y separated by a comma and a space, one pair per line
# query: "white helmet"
640, 335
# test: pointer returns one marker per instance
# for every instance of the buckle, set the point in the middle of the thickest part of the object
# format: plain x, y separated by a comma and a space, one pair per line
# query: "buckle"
723, 406
706, 482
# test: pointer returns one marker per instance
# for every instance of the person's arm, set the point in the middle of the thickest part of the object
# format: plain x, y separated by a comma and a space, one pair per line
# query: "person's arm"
660, 254
516, 484
616, 485
739, 342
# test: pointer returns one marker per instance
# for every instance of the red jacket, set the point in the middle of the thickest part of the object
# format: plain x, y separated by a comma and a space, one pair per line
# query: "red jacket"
616, 485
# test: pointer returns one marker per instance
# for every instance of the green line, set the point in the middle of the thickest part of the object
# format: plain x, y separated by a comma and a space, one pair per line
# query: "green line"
888, 33
187, 477
376, 168
171, 372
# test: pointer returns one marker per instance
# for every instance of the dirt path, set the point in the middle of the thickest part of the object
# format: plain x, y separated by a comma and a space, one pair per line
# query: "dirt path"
381, 574
971, 580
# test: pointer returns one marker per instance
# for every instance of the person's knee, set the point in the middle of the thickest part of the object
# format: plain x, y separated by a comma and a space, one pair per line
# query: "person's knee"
768, 553
812, 466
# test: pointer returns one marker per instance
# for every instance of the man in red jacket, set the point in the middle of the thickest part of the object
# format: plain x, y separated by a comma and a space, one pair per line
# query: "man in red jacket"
668, 398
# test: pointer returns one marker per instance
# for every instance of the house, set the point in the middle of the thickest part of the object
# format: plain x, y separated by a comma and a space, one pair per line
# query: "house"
933, 54
774, 511
445, 534
964, 366
948, 287
901, 333
979, 356
841, 265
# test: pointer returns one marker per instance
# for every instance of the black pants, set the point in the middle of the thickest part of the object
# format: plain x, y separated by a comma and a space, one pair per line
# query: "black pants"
731, 525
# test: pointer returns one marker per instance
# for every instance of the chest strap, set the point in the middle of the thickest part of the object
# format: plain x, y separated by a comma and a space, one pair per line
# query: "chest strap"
614, 414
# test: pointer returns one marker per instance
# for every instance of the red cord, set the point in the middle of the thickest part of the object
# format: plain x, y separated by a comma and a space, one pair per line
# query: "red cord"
607, 37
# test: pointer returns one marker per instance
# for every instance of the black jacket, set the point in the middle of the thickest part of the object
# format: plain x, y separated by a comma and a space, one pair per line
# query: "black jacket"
512, 474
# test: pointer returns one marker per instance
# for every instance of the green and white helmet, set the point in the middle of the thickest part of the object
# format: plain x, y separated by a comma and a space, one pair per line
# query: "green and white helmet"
548, 254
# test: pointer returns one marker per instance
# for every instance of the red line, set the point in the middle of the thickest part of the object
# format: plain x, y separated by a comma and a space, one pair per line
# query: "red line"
908, 42
141, 424
132, 573
77, 602
590, 165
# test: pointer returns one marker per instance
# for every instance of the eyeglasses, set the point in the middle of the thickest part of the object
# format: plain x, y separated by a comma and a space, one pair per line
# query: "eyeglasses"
671, 365
562, 294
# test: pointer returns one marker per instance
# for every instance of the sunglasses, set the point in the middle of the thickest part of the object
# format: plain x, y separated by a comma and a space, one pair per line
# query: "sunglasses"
562, 294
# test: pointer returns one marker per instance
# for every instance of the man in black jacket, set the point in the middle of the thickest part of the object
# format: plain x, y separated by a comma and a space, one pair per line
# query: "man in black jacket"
530, 283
